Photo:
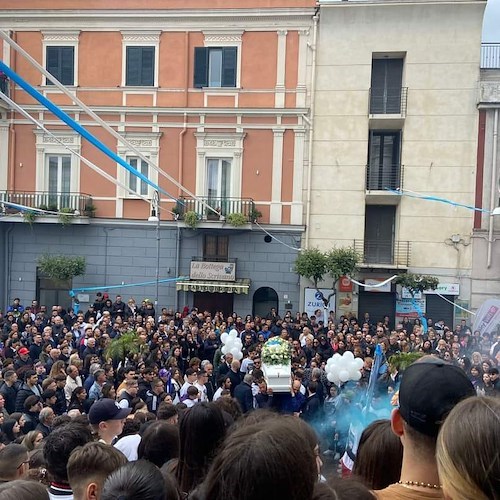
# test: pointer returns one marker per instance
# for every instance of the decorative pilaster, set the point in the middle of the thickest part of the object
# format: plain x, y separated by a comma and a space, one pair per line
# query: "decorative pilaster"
279, 100
277, 175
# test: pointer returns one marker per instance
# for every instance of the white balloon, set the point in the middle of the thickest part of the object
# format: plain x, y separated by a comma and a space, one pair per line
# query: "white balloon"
359, 363
234, 351
348, 355
238, 355
329, 362
224, 337
336, 357
224, 349
356, 375
233, 333
330, 377
344, 376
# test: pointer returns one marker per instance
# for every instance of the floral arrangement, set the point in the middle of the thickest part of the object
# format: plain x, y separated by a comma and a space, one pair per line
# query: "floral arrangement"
276, 351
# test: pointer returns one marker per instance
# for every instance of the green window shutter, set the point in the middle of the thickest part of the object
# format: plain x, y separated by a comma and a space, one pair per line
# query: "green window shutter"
229, 61
148, 66
200, 67
67, 65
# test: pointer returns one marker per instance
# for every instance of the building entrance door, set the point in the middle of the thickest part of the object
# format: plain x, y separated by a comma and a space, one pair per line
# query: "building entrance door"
207, 301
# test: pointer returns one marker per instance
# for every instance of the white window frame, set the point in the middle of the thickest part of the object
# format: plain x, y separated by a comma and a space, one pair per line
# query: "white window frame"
148, 143
227, 146
60, 39
140, 39
226, 38
47, 146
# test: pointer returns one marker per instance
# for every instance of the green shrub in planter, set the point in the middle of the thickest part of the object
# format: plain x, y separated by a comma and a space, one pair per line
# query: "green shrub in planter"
66, 216
237, 219
191, 219
29, 217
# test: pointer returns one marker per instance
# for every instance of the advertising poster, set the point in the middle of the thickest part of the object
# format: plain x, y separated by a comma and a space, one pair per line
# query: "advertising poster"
313, 300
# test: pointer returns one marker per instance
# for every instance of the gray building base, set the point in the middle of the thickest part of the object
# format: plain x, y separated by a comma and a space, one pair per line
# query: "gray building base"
125, 252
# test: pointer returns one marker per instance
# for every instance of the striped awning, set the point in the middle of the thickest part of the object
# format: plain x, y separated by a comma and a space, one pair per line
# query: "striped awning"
239, 286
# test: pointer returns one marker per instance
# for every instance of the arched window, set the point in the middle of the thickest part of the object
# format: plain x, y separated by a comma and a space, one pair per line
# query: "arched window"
264, 299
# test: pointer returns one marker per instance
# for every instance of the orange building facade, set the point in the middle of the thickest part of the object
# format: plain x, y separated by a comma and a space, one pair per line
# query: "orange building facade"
216, 98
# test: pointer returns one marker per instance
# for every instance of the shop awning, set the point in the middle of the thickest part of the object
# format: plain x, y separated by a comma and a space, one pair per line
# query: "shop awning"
239, 286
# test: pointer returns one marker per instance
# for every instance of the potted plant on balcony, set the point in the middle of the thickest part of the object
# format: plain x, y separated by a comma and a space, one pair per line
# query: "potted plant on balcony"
66, 216
213, 215
255, 214
29, 216
191, 219
237, 219
176, 211
89, 209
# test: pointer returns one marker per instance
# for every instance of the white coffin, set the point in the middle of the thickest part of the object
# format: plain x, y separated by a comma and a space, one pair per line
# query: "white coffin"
278, 377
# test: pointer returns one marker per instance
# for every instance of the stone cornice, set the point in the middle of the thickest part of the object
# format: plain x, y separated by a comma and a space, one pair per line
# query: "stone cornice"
162, 20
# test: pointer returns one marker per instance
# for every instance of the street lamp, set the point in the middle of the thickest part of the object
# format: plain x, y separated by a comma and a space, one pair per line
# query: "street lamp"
155, 217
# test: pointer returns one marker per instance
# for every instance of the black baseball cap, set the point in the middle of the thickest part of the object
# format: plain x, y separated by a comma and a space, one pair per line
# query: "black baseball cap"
107, 409
429, 390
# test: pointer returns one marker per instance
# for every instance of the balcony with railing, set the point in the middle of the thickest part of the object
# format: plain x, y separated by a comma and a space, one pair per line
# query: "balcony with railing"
384, 253
490, 55
384, 177
388, 101
222, 207
45, 200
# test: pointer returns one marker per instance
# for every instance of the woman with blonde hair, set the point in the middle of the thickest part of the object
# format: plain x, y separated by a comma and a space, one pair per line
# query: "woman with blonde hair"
468, 450
58, 368
32, 440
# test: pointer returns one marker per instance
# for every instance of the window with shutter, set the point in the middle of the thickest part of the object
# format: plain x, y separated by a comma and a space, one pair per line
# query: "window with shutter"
215, 66
384, 160
386, 84
60, 62
140, 66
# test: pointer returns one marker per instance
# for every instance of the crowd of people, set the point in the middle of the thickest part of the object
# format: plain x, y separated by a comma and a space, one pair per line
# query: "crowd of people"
99, 403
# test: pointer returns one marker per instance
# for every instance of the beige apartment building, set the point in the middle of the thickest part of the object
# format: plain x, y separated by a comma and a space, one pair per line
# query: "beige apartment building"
396, 108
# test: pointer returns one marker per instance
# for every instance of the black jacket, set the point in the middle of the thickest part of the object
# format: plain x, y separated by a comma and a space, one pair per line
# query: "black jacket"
10, 395
243, 393
311, 410
22, 395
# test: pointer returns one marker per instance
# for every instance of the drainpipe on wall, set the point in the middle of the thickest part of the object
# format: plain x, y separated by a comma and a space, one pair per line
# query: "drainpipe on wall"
311, 130
177, 264
494, 187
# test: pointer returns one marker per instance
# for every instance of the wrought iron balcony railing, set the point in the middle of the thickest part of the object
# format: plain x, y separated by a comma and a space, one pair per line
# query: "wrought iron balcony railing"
222, 206
383, 177
44, 200
490, 56
384, 252
388, 101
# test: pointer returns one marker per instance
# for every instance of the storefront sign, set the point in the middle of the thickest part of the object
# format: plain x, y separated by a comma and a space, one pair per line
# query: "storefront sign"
405, 294
345, 284
372, 281
446, 289
217, 271
405, 308
313, 300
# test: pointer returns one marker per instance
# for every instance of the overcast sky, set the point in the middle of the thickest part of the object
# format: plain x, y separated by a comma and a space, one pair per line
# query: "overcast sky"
491, 24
